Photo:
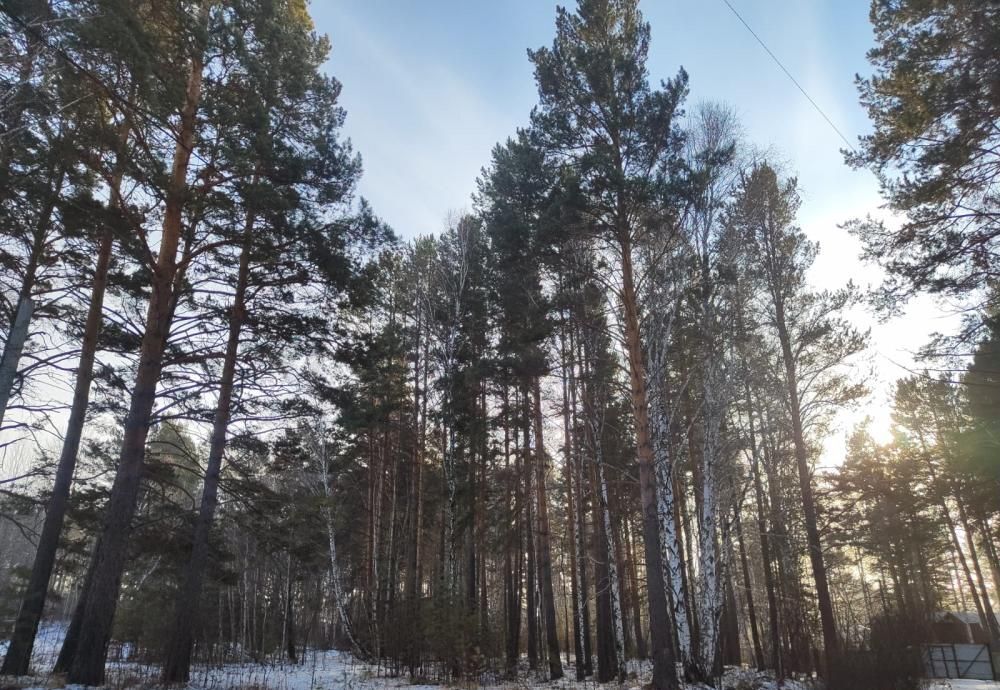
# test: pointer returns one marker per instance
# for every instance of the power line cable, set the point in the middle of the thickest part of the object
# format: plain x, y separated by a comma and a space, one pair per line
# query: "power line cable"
789, 74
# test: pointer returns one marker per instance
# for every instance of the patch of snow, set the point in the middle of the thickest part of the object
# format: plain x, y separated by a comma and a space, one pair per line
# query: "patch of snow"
739, 678
48, 642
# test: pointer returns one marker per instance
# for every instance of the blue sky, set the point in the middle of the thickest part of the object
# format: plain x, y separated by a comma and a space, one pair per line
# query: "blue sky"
431, 86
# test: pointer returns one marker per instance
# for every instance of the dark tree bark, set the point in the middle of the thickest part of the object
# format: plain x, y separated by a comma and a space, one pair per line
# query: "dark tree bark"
529, 531
68, 648
571, 500
952, 530
624, 588
416, 493
575, 347
177, 667
17, 332
640, 639
990, 619
661, 637
544, 546
729, 653
290, 614
515, 548
991, 554
13, 347
765, 545
758, 654
484, 619
814, 545
606, 662
108, 561
18, 657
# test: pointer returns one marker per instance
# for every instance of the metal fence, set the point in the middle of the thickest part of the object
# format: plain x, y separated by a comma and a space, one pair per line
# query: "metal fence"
973, 661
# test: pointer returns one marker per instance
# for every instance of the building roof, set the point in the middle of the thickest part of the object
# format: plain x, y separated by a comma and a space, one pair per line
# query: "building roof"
967, 617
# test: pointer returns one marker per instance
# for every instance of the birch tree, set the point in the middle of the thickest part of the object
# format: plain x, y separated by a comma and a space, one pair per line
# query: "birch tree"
711, 152
595, 98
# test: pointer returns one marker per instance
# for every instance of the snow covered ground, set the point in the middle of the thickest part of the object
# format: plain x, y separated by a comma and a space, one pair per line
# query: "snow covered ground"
325, 670
320, 670
47, 643
332, 670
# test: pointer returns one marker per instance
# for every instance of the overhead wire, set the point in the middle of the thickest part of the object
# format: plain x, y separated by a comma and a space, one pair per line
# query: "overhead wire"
788, 74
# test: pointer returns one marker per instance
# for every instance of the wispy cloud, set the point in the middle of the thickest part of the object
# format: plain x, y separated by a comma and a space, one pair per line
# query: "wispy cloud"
423, 131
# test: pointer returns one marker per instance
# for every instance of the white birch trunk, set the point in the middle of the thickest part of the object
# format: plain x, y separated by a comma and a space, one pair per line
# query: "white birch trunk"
670, 545
714, 485
449, 512
709, 599
319, 450
581, 546
581, 551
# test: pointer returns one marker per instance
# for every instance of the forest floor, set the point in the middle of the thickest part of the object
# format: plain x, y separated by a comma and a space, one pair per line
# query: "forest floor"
333, 670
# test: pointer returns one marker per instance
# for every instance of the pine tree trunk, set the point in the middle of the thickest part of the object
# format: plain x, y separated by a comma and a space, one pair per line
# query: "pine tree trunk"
664, 671
512, 629
865, 589
544, 546
758, 654
729, 633
108, 561
990, 619
571, 500
606, 670
416, 504
962, 602
636, 602
22, 641
575, 345
529, 530
991, 555
13, 348
290, 614
600, 546
65, 657
517, 545
17, 334
765, 547
177, 667
628, 644
980, 604
814, 545
614, 583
